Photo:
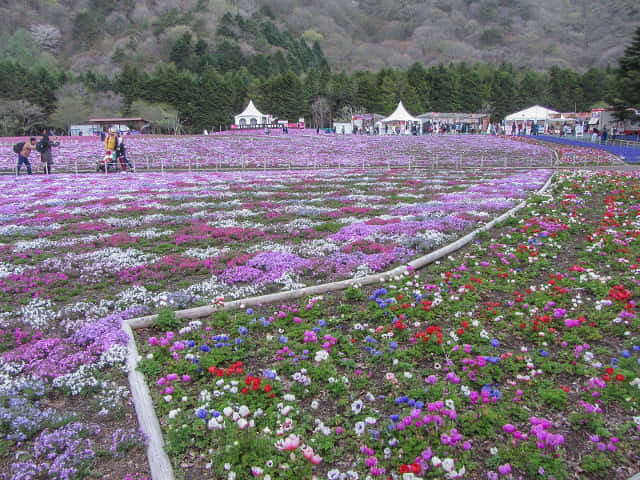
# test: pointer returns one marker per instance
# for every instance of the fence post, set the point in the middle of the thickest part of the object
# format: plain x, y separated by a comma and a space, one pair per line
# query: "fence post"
162, 165
147, 162
189, 164
76, 162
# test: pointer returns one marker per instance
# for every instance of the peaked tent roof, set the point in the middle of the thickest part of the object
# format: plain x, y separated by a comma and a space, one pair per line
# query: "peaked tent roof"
250, 111
537, 112
399, 115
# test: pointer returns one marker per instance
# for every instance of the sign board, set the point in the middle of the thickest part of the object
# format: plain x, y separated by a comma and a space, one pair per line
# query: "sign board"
579, 130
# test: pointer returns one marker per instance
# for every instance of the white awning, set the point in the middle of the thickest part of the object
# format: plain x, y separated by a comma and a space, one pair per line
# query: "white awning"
400, 115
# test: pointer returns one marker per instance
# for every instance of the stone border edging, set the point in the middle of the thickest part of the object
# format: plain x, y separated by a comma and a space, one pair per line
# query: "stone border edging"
158, 460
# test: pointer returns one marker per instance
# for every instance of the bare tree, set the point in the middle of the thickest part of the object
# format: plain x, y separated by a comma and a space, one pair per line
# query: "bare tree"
46, 35
320, 112
159, 115
70, 110
107, 104
23, 116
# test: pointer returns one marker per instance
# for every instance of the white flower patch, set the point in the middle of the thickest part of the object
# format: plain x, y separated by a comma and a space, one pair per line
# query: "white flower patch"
297, 225
111, 396
10, 379
348, 220
74, 316
191, 326
92, 266
270, 247
204, 253
134, 295
80, 380
38, 313
211, 289
164, 219
120, 222
362, 271
35, 244
152, 233
12, 230
115, 259
289, 281
233, 223
317, 248
7, 269
115, 356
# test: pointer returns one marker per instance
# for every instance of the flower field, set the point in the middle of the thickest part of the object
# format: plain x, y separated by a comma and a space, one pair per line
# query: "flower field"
296, 150
356, 383
518, 357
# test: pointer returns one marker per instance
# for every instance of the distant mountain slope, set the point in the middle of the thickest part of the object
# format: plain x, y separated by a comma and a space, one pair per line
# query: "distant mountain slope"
353, 34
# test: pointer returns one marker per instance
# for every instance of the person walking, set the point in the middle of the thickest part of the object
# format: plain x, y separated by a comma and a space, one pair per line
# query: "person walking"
23, 155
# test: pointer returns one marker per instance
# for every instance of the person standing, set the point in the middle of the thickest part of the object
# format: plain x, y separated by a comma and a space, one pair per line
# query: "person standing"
110, 145
44, 147
23, 155
121, 154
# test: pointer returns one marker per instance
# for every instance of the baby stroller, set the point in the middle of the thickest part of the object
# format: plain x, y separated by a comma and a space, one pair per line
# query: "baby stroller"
109, 161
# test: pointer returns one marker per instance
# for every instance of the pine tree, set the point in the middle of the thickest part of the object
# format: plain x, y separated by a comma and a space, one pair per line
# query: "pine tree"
629, 75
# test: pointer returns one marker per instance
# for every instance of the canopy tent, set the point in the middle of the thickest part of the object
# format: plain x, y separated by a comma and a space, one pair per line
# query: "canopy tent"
400, 121
525, 119
252, 117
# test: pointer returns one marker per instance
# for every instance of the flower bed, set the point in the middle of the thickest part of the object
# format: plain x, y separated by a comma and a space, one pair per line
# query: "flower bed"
78, 254
232, 150
185, 238
575, 154
517, 357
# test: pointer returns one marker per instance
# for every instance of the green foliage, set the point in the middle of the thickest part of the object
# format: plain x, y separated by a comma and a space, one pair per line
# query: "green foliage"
150, 367
554, 397
484, 424
86, 27
353, 294
600, 464
166, 320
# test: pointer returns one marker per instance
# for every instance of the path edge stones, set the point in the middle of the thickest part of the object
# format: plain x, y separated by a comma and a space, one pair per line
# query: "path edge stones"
159, 462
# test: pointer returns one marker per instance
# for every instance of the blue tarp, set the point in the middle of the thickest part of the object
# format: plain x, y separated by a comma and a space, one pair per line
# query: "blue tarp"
629, 153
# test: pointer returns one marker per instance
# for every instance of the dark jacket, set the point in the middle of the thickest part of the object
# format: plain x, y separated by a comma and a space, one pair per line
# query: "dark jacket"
46, 143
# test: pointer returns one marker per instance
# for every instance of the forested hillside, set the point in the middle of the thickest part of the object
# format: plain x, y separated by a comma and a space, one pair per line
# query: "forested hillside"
192, 64
103, 35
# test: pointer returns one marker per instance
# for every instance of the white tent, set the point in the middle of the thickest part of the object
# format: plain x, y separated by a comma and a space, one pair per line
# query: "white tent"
536, 113
252, 117
401, 120
525, 119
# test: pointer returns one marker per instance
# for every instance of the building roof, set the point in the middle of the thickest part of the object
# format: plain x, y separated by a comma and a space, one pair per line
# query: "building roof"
118, 121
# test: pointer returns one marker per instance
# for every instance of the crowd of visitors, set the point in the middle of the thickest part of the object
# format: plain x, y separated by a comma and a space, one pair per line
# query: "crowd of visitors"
115, 152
